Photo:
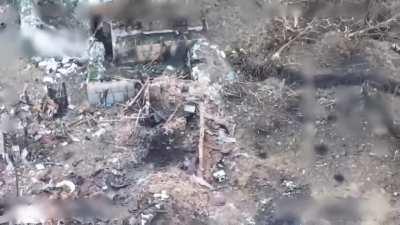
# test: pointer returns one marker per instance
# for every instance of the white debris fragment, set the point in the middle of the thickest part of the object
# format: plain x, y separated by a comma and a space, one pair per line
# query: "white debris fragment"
24, 155
15, 148
99, 133
66, 60
40, 166
170, 68
49, 80
50, 65
229, 140
44, 131
189, 108
250, 221
221, 54
220, 175
162, 196
146, 218
68, 69
265, 201
25, 108
97, 2
289, 184
10, 166
74, 139
59, 68
67, 184
36, 59
200, 75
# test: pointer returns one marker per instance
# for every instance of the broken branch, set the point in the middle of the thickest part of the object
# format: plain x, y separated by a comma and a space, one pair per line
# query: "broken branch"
278, 53
381, 24
201, 141
133, 101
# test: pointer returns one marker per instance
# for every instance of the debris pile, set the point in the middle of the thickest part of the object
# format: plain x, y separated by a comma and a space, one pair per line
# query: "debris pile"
58, 68
139, 118
160, 119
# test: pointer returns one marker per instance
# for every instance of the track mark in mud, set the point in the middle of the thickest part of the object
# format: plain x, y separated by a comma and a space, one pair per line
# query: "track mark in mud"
329, 80
340, 78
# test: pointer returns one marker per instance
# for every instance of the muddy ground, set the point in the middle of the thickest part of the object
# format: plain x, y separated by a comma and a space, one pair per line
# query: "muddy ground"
315, 129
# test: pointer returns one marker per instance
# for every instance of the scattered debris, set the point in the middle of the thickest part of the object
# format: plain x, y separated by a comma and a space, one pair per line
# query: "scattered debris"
49, 65
149, 118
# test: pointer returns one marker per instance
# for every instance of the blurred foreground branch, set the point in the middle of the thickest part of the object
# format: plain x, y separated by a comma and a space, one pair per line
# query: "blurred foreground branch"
379, 25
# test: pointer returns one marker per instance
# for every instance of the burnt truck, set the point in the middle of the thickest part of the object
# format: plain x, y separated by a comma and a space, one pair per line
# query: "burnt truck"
139, 32
166, 33
142, 31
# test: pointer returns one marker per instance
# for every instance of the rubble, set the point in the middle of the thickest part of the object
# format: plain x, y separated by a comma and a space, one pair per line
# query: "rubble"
57, 68
49, 65
150, 119
209, 64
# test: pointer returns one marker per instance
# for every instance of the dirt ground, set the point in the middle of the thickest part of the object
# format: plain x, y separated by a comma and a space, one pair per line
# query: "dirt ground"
313, 131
